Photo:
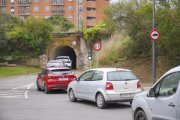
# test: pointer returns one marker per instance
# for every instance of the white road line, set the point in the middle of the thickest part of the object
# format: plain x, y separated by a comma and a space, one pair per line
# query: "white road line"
17, 92
27, 90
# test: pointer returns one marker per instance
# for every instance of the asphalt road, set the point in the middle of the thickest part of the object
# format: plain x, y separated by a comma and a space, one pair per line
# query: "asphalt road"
19, 100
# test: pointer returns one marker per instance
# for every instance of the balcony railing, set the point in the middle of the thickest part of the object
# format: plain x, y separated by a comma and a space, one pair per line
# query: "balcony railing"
24, 3
59, 12
57, 3
24, 13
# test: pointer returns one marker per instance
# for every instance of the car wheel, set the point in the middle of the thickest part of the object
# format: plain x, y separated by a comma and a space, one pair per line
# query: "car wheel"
38, 87
72, 96
46, 90
100, 101
140, 115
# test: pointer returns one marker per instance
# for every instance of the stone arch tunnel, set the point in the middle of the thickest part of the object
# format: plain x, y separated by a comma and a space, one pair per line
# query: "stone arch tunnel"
64, 50
69, 44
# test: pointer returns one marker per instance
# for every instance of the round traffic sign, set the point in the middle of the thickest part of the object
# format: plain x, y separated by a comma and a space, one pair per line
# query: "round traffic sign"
154, 34
97, 46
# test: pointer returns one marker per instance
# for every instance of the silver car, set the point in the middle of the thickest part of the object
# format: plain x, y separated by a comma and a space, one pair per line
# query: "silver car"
66, 60
104, 85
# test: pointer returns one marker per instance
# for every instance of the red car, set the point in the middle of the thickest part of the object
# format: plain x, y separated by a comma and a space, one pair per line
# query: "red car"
54, 78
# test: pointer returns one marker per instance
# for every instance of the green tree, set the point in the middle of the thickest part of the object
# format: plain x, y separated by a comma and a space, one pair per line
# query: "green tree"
31, 37
60, 24
99, 32
7, 23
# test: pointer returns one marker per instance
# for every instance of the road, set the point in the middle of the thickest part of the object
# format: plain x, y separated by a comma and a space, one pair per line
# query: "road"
19, 100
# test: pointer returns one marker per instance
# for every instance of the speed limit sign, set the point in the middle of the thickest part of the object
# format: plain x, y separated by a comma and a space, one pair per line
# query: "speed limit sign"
154, 34
97, 46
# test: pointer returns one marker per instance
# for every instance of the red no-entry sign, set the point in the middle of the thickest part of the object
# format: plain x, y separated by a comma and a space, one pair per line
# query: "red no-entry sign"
97, 46
154, 34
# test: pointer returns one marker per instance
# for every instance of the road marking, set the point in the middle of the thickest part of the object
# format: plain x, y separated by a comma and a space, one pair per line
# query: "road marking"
18, 92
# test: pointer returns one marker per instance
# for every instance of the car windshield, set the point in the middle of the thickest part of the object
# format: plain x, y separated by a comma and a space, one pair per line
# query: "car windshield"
121, 76
61, 71
53, 64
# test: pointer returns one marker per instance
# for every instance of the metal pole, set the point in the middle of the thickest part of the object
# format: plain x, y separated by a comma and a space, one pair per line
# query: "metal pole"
77, 13
153, 47
97, 59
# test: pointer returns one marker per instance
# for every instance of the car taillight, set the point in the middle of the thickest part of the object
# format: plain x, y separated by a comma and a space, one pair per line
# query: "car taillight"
109, 86
139, 85
73, 78
50, 76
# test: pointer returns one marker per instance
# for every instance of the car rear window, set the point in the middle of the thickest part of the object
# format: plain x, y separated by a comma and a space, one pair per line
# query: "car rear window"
55, 64
121, 76
60, 71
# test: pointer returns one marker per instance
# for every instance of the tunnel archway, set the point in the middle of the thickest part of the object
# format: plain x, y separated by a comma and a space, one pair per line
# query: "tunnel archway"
66, 51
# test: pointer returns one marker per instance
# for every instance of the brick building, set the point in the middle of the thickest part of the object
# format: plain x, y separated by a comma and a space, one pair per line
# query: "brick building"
80, 12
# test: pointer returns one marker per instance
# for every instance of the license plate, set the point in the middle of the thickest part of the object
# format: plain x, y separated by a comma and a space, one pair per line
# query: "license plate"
63, 78
128, 95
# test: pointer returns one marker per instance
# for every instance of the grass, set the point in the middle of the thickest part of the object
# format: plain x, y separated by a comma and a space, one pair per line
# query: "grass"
112, 49
18, 70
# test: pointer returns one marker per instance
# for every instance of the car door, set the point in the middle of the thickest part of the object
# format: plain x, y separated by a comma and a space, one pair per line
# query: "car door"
164, 105
95, 84
82, 86
40, 79
178, 104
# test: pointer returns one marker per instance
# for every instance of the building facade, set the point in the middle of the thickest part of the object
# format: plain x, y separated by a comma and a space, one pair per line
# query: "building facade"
85, 13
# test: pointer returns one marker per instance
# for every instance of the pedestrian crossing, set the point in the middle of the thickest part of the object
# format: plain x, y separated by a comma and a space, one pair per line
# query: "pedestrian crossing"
18, 92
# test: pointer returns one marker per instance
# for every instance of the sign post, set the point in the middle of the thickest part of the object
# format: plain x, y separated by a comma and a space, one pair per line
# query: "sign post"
154, 35
97, 46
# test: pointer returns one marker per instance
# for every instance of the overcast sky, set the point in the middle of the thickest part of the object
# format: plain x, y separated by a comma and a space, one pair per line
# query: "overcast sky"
113, 0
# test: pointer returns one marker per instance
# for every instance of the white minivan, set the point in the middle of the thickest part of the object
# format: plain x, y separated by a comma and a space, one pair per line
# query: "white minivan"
161, 101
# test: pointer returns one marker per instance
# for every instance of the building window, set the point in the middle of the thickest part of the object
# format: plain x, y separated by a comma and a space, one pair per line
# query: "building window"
3, 2
89, 9
70, 8
28, 10
3, 9
80, 1
36, 8
47, 8
46, 0
91, 18
36, 0
58, 2
69, 0
21, 10
80, 9
91, 0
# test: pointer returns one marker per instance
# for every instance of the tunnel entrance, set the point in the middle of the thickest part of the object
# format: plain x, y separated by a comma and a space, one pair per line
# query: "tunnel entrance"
66, 51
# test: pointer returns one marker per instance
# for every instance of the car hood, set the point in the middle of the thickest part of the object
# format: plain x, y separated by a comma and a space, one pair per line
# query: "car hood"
142, 94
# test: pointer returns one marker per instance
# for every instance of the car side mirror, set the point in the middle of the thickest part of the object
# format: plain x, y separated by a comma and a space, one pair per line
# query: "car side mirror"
39, 74
151, 93
77, 79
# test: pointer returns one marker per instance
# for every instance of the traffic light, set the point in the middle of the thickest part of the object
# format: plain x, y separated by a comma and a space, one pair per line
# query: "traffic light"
89, 54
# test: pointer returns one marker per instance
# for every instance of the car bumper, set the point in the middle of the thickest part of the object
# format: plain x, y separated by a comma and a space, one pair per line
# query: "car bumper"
57, 87
120, 97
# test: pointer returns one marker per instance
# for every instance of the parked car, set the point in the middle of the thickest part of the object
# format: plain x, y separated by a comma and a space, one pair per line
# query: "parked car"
66, 60
104, 85
161, 101
54, 78
55, 63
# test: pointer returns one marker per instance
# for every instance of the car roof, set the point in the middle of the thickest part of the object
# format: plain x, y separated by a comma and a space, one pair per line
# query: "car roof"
54, 61
63, 56
57, 68
110, 69
175, 69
